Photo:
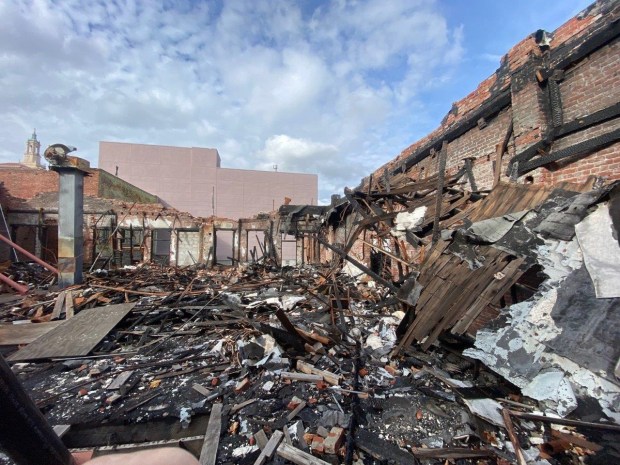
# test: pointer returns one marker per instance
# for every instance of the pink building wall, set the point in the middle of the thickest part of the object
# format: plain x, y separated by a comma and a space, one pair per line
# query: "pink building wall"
190, 179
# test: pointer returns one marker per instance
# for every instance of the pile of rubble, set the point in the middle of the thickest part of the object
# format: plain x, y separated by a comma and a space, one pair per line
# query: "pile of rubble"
258, 364
483, 329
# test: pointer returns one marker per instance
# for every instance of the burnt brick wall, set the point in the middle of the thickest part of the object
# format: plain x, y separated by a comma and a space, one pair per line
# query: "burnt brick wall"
582, 62
593, 83
587, 83
588, 86
480, 144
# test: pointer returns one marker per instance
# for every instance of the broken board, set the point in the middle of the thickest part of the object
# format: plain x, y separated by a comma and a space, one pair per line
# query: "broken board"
13, 335
75, 337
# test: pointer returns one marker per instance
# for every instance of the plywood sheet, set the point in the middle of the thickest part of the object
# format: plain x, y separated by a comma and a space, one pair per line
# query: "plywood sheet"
75, 337
12, 335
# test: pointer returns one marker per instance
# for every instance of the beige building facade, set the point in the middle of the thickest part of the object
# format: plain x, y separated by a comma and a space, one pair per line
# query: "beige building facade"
191, 179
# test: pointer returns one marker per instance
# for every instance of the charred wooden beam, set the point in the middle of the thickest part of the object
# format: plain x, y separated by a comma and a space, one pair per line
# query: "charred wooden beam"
440, 184
576, 150
361, 266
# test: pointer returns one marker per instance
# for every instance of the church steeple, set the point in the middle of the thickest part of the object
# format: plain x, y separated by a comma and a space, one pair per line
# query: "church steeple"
32, 156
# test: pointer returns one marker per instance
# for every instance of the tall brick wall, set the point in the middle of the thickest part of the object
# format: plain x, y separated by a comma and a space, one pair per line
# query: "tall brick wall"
593, 83
554, 101
582, 61
26, 183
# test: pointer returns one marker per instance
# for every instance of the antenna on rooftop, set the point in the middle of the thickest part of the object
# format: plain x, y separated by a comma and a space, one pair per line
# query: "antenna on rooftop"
275, 168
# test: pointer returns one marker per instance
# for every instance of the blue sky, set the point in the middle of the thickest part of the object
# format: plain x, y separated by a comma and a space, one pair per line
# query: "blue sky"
334, 88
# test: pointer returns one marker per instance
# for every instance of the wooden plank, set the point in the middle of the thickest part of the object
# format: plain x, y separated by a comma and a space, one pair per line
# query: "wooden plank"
451, 453
189, 443
287, 437
314, 336
208, 453
499, 153
69, 310
75, 337
12, 335
564, 421
270, 448
506, 198
286, 324
513, 438
490, 295
235, 408
261, 439
476, 283
120, 380
501, 148
59, 305
301, 377
576, 440
469, 292
296, 410
481, 289
329, 377
201, 389
435, 309
297, 456
456, 291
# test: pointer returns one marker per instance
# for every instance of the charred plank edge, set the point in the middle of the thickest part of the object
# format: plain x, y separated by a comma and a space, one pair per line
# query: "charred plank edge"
564, 421
208, 453
513, 437
298, 456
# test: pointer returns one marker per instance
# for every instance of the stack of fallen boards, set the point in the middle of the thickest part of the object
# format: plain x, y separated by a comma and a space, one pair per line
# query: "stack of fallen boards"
453, 295
75, 337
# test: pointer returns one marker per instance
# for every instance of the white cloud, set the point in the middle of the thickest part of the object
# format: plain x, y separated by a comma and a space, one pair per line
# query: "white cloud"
291, 154
327, 88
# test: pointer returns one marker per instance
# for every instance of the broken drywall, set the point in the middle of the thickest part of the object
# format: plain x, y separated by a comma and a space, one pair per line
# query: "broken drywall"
527, 350
601, 251
408, 221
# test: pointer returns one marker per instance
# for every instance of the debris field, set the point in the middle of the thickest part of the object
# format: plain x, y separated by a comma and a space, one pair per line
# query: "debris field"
319, 364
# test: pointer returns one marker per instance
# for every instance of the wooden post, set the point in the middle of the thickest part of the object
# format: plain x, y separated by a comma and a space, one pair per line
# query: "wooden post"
25, 435
441, 175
